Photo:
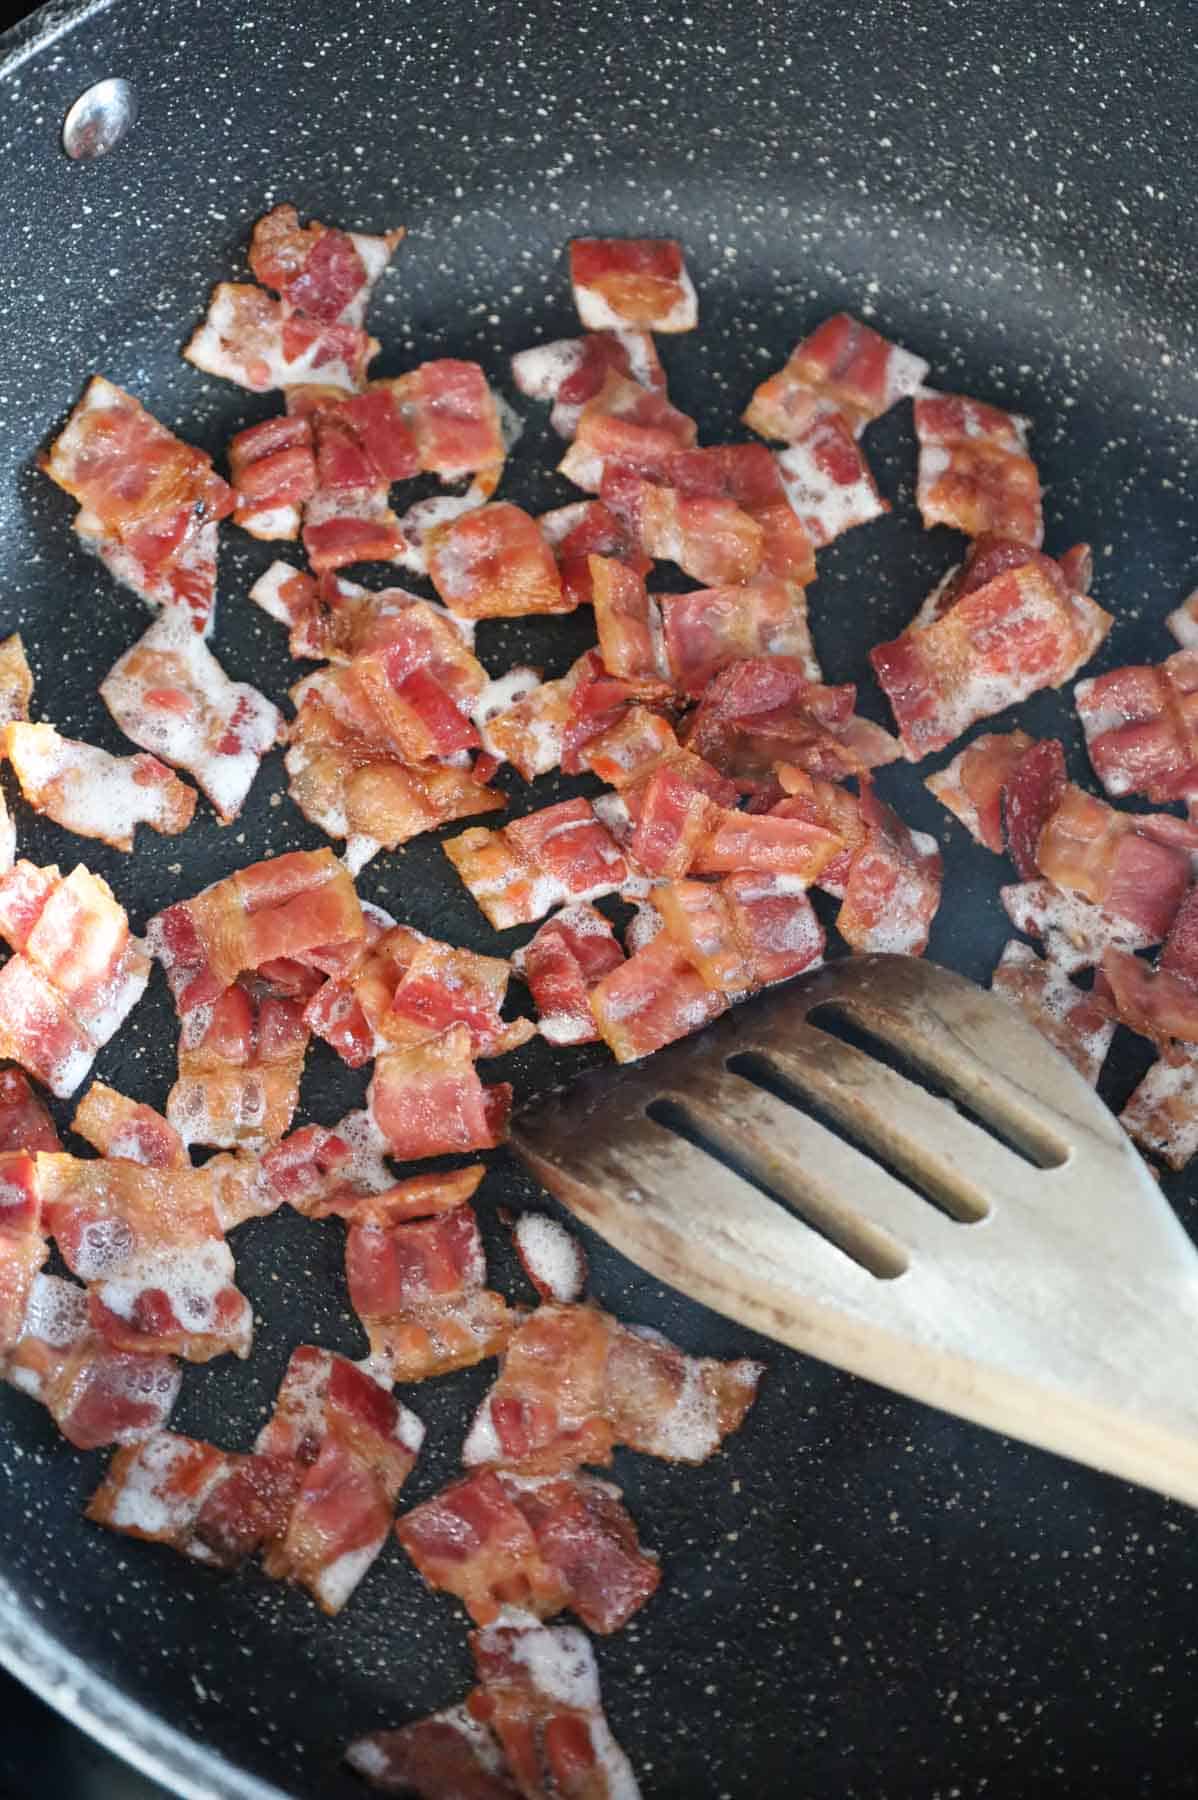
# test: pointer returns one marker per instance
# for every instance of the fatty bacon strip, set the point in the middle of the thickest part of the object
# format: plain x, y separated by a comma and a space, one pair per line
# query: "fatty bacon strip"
315, 1498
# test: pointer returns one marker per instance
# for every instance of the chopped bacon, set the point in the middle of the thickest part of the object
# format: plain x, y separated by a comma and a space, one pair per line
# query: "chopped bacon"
627, 623
321, 271
344, 525
1141, 726
211, 1506
96, 1395
971, 785
1160, 1003
120, 1127
1162, 1113
169, 695
764, 843
574, 1382
351, 1010
147, 499
249, 337
828, 481
444, 986
760, 711
77, 975
625, 425
496, 1540
893, 888
273, 470
711, 628
149, 1246
828, 804
87, 791
632, 747
23, 1247
743, 932
584, 529
494, 563
545, 859
552, 1257
419, 1288
327, 1177
25, 1123
16, 681
568, 954
355, 1446
522, 720
448, 1756
240, 1062
1136, 868
632, 284
300, 906
571, 371
429, 1099
1031, 795
843, 367
749, 476
653, 998
710, 539
1183, 622
337, 620
454, 417
974, 470
1074, 931
598, 700
1021, 630
1075, 1022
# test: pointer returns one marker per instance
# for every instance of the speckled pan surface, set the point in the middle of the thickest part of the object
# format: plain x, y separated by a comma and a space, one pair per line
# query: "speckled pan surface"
862, 1598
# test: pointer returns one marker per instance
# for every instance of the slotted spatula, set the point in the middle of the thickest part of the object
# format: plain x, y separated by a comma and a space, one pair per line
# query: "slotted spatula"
1021, 1268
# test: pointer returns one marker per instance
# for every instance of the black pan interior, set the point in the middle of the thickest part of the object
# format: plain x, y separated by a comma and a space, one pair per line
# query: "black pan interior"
862, 1597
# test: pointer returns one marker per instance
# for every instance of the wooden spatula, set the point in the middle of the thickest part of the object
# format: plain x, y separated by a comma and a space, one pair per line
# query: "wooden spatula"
1020, 1268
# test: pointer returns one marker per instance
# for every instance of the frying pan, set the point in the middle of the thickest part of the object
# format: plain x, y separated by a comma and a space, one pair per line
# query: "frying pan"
861, 1597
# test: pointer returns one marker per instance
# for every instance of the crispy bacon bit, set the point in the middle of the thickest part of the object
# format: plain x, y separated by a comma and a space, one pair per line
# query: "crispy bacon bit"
444, 986
893, 888
207, 1504
571, 371
429, 1099
632, 747
16, 681
584, 529
23, 1247
1183, 622
1160, 1003
95, 1394
148, 500
828, 804
250, 338
524, 722
974, 470
749, 476
355, 1446
77, 975
344, 525
1075, 1022
625, 425
117, 1126
843, 367
711, 628
24, 1122
493, 563
743, 932
301, 906
149, 1246
1136, 868
1140, 728
546, 859
350, 1011
1022, 630
971, 785
320, 271
710, 539
764, 710
552, 1257
328, 1178
1074, 932
828, 481
337, 620
273, 470
632, 284
89, 792
627, 622
652, 999
1031, 795
1162, 1114
419, 1288
765, 844
171, 697
568, 954
240, 1063
574, 1382
496, 1540
447, 1754
454, 417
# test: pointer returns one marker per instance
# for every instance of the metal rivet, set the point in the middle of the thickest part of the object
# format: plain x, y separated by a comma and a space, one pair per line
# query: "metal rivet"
100, 119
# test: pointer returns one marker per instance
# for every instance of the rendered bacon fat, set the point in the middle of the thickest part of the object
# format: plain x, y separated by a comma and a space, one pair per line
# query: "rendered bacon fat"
843, 367
88, 791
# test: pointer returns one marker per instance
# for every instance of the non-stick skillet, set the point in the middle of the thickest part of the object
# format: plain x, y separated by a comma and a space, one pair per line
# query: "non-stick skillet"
861, 1597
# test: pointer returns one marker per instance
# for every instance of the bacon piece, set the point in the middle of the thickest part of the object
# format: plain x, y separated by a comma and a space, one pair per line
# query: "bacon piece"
584, 529
321, 271
749, 476
1160, 1003
1074, 932
24, 1122
1016, 633
250, 338
85, 790
828, 481
149, 1246
743, 932
169, 695
561, 963
539, 1694
522, 720
574, 1382
823, 803
625, 425
337, 620
1141, 726
1075, 1022
23, 1247
653, 998
300, 906
971, 785
355, 1446
16, 681
843, 367
893, 890
344, 525
449, 1754
429, 1099
240, 1063
545, 859
77, 975
328, 1175
211, 1506
273, 471
632, 284
711, 628
95, 1394
419, 1288
444, 986
454, 417
1183, 622
1162, 1113
627, 622
571, 371
766, 844
350, 1011
710, 539
117, 1126
974, 470
147, 498
1136, 868
552, 1257
764, 710
495, 1540
1031, 795
493, 563
630, 749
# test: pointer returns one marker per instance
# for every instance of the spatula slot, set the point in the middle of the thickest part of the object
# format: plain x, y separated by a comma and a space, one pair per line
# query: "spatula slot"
1017, 1130
854, 1236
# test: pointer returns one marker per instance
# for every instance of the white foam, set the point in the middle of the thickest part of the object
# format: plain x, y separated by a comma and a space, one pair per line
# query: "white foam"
550, 1254
144, 1502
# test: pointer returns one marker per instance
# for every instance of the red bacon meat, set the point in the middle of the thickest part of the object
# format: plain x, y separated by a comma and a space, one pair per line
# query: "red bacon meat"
240, 1063
1141, 726
625, 425
1075, 1022
429, 1100
974, 470
571, 371
632, 284
561, 963
843, 367
319, 270
494, 563
545, 859
828, 481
